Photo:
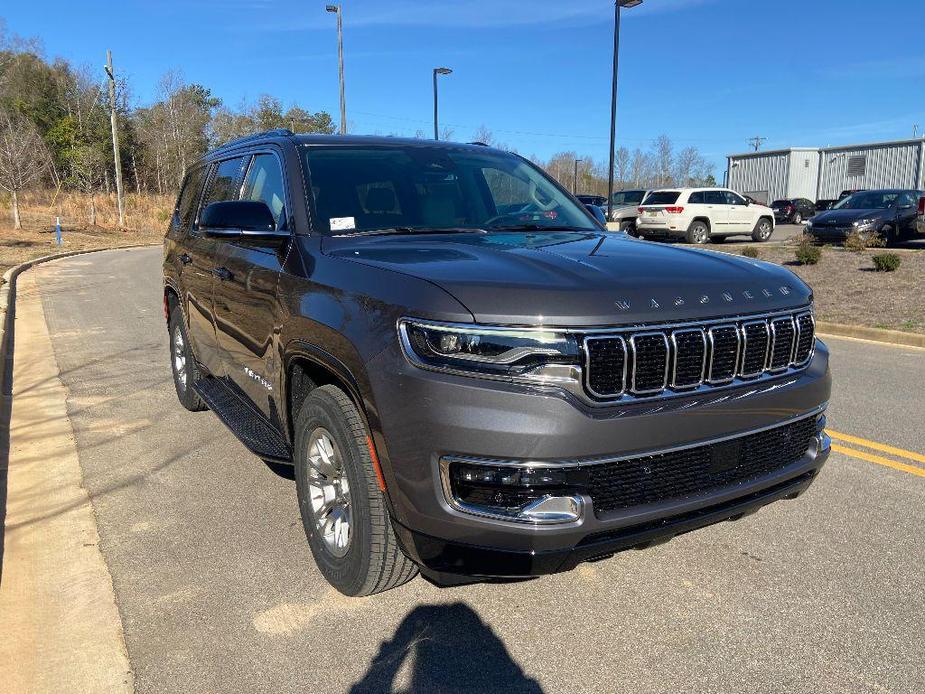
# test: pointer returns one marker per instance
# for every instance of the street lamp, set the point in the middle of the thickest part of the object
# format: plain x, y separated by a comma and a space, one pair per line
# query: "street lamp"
438, 71
613, 95
336, 9
575, 178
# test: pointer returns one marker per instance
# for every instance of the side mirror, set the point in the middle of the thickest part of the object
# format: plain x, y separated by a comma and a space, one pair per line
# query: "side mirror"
240, 219
597, 213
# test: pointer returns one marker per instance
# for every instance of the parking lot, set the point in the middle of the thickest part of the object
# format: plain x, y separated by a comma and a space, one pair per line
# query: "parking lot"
216, 589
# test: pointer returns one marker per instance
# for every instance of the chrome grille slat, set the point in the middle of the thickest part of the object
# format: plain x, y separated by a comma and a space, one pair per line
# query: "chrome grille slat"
644, 362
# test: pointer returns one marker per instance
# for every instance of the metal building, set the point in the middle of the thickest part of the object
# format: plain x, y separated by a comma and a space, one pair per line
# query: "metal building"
822, 173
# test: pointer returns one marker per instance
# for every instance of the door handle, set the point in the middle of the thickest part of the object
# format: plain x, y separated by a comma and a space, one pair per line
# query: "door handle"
222, 273
186, 259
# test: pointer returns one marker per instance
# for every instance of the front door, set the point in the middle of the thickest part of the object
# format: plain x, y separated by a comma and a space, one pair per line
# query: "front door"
740, 215
247, 313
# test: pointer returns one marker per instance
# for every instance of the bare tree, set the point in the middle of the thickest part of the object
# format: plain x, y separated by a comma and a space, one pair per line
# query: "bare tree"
483, 135
622, 165
663, 154
87, 164
23, 157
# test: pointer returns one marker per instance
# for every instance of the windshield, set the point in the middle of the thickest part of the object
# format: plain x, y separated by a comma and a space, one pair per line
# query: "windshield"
868, 200
628, 197
359, 188
663, 197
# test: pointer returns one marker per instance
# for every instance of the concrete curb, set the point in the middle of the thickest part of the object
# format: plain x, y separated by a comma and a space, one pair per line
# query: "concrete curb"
860, 332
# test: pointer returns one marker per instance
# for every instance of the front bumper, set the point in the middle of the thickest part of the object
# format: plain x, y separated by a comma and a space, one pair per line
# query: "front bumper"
426, 416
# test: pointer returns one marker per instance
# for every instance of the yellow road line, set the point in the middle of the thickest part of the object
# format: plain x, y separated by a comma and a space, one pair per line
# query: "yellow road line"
871, 458
857, 441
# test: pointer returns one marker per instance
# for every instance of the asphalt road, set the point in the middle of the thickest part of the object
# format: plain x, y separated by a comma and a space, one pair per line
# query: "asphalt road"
217, 590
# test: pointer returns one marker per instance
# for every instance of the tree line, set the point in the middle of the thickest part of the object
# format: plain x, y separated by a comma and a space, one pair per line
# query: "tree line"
55, 126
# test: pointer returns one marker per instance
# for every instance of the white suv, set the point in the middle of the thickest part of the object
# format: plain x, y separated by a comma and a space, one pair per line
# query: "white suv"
702, 214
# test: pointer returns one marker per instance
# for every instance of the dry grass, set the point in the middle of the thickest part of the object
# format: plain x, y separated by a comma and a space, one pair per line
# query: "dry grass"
849, 290
146, 222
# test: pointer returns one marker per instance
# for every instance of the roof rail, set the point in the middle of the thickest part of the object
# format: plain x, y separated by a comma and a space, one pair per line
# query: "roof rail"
480, 144
276, 132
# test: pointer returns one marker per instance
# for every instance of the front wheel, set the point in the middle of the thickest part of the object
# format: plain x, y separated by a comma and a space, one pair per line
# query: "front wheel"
763, 230
698, 233
342, 506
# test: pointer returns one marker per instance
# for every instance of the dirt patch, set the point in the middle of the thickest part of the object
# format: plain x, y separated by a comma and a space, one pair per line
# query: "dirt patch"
848, 289
146, 222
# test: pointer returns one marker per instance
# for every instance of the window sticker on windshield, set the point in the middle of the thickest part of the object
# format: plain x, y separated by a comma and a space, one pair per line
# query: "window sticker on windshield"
342, 223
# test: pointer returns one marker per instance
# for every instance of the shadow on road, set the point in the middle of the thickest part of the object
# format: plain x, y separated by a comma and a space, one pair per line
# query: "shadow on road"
448, 648
6, 410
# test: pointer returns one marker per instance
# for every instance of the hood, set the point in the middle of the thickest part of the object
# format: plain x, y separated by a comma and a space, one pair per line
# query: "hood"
579, 278
846, 217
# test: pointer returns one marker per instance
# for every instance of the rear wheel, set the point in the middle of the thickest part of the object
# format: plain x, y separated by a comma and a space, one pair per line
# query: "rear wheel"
889, 235
183, 363
763, 230
698, 232
343, 509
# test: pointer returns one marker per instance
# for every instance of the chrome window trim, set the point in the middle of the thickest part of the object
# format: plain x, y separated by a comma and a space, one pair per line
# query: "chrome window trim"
674, 361
647, 333
735, 364
812, 345
773, 345
767, 344
587, 361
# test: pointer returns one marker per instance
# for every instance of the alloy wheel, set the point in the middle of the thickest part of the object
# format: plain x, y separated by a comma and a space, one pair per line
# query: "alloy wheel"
329, 491
179, 356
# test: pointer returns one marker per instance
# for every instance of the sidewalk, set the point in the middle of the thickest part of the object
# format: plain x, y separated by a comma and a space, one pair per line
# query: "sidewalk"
61, 628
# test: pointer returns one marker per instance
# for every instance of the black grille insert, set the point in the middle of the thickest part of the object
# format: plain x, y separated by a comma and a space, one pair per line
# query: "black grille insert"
724, 353
693, 472
650, 362
690, 348
782, 335
755, 338
806, 338
607, 356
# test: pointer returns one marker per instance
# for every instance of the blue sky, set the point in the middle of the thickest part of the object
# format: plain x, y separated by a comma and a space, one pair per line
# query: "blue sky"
709, 73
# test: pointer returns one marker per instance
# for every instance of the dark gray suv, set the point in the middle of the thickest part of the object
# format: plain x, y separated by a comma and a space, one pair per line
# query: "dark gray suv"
470, 376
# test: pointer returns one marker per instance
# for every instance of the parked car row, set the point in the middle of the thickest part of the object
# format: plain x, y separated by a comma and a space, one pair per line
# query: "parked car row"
894, 214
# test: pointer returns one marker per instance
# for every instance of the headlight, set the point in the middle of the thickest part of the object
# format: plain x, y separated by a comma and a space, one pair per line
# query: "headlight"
493, 352
862, 223
809, 224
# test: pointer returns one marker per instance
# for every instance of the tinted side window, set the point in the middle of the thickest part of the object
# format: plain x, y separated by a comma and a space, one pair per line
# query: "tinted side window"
225, 181
907, 198
697, 198
715, 197
189, 197
733, 199
264, 182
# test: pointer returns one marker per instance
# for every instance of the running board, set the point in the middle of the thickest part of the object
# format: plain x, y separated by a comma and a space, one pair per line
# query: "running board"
252, 428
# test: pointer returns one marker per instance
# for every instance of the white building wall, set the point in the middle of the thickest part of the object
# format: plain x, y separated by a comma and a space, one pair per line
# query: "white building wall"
763, 175
803, 175
887, 165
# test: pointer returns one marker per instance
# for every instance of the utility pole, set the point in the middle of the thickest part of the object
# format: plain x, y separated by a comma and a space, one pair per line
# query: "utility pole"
115, 136
756, 142
575, 178
438, 71
338, 10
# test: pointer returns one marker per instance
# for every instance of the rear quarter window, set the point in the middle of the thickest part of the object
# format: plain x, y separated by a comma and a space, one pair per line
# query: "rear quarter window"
189, 198
663, 197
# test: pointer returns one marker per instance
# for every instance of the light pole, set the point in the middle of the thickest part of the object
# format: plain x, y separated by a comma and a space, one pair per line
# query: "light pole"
575, 178
613, 95
336, 9
438, 71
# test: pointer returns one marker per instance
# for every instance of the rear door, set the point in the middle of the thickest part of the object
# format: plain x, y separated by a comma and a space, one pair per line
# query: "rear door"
906, 210
718, 210
741, 216
247, 313
222, 181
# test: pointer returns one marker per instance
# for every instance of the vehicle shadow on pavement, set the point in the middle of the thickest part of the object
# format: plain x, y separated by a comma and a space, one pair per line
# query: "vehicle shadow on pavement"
448, 648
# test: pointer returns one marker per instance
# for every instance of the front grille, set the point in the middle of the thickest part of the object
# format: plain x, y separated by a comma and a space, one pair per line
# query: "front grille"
693, 472
640, 362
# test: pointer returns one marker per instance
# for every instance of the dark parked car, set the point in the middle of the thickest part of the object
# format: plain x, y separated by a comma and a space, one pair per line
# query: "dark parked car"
467, 373
889, 213
792, 211
824, 204
920, 217
596, 200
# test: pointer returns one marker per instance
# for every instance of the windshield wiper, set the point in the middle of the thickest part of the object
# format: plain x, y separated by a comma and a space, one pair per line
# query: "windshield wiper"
413, 230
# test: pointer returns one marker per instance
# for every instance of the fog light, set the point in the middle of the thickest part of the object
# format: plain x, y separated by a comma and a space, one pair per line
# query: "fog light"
519, 492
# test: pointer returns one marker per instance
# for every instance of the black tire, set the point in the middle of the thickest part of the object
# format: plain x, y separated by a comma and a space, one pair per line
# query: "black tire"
698, 232
889, 235
763, 230
372, 561
183, 363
